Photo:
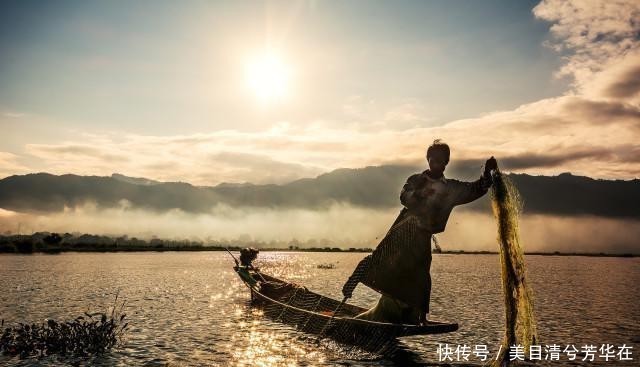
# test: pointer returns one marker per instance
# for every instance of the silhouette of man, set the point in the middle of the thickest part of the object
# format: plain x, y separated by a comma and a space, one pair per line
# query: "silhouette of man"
399, 267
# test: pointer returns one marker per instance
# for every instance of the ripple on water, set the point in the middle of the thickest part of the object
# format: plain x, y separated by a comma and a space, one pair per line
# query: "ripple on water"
189, 308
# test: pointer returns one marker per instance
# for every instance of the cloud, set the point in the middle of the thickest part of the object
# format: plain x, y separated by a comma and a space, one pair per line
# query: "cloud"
567, 133
628, 153
74, 151
619, 82
628, 85
15, 115
594, 35
9, 165
201, 159
603, 112
590, 130
263, 168
368, 114
531, 160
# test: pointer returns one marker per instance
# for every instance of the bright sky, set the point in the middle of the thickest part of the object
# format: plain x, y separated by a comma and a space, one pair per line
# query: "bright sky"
207, 92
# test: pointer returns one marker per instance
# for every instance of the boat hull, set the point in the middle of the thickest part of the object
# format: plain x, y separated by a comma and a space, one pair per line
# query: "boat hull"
313, 313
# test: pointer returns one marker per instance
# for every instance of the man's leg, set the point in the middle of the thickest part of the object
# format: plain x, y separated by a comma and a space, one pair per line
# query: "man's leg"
425, 312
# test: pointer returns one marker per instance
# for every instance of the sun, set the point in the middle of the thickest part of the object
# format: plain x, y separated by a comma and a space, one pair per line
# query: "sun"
268, 77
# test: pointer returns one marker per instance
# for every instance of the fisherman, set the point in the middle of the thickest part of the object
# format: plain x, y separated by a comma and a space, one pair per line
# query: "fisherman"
399, 267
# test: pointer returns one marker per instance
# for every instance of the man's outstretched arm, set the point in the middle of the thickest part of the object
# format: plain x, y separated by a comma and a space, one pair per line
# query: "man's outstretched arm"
470, 191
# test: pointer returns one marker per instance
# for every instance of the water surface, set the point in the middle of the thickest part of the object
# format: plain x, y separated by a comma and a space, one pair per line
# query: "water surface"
191, 309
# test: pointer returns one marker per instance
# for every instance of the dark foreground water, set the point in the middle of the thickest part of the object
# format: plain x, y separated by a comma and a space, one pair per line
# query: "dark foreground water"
190, 308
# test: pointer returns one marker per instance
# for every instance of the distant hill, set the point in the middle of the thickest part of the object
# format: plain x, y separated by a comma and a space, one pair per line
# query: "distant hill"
372, 187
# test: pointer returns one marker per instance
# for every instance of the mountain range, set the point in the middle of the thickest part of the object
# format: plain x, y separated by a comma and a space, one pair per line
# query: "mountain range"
375, 187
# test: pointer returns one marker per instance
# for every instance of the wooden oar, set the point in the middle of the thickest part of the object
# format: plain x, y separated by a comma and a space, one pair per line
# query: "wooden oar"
234, 258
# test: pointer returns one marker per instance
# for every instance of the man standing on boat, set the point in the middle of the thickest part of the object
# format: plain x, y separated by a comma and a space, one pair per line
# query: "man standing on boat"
399, 267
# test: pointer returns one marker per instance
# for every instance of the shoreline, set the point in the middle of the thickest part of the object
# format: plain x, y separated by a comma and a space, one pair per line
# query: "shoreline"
54, 243
80, 249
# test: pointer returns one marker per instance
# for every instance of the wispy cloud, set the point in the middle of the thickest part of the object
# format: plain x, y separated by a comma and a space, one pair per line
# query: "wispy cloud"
15, 115
9, 165
202, 159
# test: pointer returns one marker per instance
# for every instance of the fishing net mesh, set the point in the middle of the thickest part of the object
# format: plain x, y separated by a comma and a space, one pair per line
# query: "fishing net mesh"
310, 312
520, 325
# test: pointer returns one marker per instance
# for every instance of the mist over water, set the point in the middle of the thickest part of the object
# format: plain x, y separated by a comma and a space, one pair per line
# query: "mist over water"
547, 233
344, 225
340, 225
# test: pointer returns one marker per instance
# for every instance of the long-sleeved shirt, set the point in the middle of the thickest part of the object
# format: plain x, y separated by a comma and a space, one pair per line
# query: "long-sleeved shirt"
432, 200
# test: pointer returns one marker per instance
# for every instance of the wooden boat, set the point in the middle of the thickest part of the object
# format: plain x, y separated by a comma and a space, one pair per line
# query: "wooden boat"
313, 313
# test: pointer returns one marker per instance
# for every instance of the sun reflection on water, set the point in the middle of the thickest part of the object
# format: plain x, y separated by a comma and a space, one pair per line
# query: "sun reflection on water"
256, 347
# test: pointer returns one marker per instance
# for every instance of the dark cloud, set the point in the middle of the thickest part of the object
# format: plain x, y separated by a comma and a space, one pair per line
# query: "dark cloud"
561, 157
471, 167
628, 85
602, 111
628, 153
530, 160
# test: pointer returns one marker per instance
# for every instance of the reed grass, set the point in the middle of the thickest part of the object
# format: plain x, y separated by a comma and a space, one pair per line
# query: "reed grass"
88, 334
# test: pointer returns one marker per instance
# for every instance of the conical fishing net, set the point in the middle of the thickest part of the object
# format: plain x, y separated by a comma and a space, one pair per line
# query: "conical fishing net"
520, 325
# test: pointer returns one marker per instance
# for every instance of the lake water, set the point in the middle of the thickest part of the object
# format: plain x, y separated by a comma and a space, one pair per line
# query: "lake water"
191, 309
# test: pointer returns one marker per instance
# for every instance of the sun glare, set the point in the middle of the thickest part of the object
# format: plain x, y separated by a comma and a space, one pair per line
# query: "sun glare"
268, 77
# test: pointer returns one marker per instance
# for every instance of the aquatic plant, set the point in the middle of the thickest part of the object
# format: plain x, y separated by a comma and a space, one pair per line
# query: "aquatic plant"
518, 298
91, 333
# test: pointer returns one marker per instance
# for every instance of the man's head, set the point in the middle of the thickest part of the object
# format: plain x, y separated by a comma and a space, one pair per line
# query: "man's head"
438, 157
